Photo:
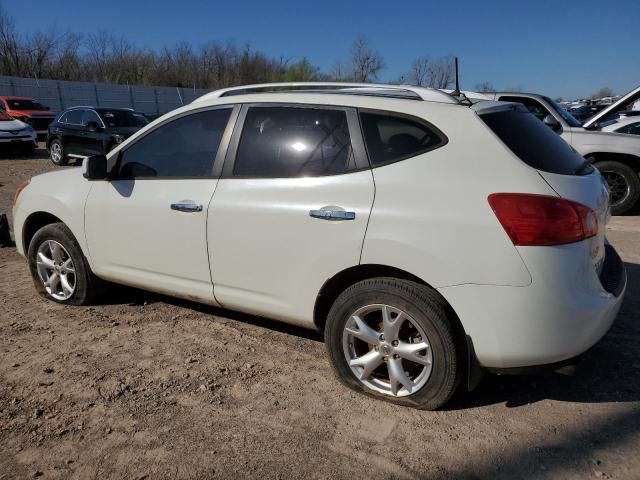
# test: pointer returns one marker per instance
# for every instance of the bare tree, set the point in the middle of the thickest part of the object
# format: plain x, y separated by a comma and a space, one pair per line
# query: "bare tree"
485, 87
431, 72
366, 62
420, 72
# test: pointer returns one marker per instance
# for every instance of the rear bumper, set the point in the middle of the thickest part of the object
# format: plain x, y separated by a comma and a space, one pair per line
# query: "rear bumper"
560, 315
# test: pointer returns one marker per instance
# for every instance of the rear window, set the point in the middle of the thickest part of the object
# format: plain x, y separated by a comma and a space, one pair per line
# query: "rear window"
533, 142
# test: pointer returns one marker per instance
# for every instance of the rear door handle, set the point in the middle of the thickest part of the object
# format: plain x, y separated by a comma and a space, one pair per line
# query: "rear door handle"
328, 214
186, 206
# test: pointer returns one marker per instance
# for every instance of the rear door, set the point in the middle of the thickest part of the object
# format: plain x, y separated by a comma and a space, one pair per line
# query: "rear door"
91, 138
290, 210
72, 132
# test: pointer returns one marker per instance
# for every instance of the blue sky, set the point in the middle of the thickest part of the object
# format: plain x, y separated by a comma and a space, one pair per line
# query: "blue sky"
566, 48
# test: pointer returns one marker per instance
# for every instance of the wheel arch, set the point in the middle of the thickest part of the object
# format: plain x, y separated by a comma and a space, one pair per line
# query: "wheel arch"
628, 159
35, 222
335, 285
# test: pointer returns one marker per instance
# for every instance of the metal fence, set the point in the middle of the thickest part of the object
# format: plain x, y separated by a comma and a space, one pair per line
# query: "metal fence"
61, 94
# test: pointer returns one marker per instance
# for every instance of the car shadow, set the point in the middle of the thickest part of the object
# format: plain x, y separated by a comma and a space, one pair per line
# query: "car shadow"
14, 153
609, 372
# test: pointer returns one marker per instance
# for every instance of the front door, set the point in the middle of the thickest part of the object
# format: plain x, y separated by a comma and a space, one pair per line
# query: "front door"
290, 210
147, 226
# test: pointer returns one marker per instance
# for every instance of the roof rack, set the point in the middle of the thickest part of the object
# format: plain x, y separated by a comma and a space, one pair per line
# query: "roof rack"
345, 88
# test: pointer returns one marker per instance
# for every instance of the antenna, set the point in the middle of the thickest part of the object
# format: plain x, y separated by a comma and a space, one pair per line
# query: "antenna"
456, 92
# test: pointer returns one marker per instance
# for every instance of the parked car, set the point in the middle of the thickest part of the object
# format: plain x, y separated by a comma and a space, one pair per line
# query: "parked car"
264, 203
629, 125
79, 132
586, 111
14, 133
28, 111
616, 156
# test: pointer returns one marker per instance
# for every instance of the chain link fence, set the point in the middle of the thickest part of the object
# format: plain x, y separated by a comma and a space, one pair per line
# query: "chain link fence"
61, 94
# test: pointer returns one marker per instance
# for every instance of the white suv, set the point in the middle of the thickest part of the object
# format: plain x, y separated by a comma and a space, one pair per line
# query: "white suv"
428, 239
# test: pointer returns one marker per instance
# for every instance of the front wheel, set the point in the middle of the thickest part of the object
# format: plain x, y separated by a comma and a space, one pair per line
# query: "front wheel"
59, 269
394, 339
624, 185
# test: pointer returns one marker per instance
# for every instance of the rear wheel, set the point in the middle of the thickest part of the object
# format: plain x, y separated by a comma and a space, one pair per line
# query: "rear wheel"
624, 185
393, 339
59, 269
56, 153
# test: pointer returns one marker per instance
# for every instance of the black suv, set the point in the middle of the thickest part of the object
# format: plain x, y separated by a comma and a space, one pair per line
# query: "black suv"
80, 132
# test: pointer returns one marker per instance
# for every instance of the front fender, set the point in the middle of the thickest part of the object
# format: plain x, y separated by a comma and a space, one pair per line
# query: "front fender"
63, 194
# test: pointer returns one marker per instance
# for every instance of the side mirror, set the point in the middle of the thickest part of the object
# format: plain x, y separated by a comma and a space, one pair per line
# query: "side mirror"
93, 126
551, 122
95, 168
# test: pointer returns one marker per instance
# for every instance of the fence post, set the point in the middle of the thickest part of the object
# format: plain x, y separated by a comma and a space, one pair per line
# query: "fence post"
60, 95
13, 87
95, 89
155, 91
131, 97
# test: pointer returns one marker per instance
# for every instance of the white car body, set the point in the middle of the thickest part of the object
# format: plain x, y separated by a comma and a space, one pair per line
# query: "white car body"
255, 248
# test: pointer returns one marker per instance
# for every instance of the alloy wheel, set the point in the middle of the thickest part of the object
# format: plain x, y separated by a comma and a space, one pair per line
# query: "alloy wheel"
56, 270
619, 188
387, 350
56, 152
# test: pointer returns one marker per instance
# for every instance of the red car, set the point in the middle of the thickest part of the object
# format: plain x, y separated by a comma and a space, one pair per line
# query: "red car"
29, 111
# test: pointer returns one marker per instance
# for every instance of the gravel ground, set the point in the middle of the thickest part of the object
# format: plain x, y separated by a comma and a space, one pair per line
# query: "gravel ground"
146, 386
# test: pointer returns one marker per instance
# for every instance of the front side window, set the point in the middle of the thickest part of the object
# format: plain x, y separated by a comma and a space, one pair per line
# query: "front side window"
123, 118
390, 138
25, 105
90, 116
185, 147
294, 142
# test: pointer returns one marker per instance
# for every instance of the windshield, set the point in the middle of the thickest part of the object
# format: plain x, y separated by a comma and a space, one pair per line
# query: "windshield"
570, 119
25, 105
122, 118
4, 116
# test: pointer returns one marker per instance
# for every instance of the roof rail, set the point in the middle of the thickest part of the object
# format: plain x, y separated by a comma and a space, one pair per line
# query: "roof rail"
403, 91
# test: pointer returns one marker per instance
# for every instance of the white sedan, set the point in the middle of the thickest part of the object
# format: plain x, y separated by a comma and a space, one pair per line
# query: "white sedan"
630, 125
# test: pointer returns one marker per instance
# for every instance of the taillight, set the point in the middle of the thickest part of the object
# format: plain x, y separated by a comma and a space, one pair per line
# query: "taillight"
532, 219
21, 187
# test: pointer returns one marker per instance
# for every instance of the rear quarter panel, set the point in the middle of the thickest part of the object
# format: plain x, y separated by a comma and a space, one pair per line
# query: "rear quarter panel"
431, 216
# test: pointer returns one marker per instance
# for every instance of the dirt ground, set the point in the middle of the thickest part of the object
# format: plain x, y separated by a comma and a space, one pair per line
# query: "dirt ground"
146, 386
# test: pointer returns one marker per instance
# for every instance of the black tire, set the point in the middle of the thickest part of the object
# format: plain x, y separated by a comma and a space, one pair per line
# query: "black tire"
56, 143
623, 178
425, 308
88, 287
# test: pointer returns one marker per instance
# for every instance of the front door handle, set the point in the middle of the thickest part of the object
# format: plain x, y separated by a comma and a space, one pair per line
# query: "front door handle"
186, 206
332, 214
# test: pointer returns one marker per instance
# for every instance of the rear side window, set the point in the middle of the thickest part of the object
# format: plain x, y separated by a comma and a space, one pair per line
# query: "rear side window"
633, 128
533, 142
390, 138
185, 147
292, 142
